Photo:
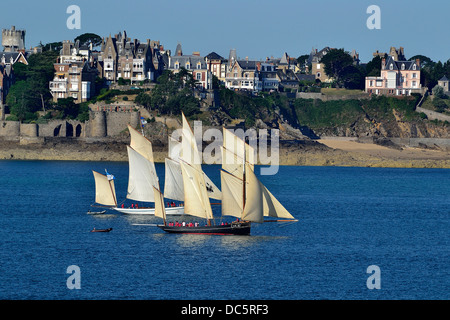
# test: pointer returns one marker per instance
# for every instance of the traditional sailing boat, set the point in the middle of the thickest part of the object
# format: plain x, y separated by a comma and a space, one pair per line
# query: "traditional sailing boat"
243, 195
142, 176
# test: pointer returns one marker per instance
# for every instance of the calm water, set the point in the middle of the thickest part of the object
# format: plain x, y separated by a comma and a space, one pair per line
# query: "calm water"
349, 219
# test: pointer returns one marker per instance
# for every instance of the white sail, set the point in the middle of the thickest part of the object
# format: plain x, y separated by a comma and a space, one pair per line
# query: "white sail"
141, 144
173, 183
160, 210
105, 192
196, 200
189, 151
272, 207
190, 155
142, 177
236, 146
253, 208
232, 195
174, 149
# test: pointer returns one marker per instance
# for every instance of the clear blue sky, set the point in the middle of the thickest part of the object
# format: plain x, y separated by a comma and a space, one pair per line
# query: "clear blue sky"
255, 28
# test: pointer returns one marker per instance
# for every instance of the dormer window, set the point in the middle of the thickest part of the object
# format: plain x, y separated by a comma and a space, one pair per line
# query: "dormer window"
188, 66
414, 66
177, 65
199, 66
403, 66
391, 66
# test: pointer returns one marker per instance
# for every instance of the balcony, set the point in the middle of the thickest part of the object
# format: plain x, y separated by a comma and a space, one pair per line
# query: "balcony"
58, 85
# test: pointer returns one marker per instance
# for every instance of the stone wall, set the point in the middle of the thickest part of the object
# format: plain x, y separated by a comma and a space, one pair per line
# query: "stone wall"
433, 115
101, 124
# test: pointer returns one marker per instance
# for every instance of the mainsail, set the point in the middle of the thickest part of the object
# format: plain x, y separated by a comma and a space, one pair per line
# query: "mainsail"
142, 177
186, 151
196, 200
105, 192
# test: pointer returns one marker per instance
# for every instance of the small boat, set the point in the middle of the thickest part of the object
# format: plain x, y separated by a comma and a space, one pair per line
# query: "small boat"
101, 230
96, 212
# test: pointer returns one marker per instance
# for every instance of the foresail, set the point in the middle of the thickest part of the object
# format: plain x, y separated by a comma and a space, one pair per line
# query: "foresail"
272, 207
142, 177
232, 195
173, 182
196, 201
105, 192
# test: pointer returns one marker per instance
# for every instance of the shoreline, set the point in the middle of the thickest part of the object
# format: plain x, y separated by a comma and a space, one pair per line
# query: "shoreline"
327, 152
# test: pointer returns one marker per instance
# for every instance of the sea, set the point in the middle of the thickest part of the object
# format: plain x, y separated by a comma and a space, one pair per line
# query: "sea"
362, 234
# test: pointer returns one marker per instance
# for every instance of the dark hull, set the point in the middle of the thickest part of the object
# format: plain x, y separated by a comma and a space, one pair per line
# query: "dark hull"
229, 229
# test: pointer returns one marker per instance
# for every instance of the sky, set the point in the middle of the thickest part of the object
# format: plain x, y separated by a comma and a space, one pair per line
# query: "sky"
255, 28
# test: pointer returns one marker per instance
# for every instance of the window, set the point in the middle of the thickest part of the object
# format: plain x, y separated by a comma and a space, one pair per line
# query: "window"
199, 66
414, 66
188, 66
403, 66
177, 65
414, 75
391, 67
318, 74
199, 76
318, 66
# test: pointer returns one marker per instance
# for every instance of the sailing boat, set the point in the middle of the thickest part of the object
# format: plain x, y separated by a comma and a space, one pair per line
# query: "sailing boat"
243, 195
142, 176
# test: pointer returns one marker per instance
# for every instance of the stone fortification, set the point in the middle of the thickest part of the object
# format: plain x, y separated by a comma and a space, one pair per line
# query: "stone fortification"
101, 124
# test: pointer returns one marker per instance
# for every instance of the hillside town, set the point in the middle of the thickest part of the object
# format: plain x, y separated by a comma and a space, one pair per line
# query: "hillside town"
84, 73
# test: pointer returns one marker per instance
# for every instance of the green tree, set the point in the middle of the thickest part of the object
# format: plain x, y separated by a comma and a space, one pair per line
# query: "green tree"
87, 38
337, 63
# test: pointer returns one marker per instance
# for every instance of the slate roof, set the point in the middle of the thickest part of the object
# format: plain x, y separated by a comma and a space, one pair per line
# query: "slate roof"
397, 65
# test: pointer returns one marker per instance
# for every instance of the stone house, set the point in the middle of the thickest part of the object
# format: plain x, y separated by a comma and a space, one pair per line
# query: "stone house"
75, 73
444, 83
122, 57
242, 74
317, 68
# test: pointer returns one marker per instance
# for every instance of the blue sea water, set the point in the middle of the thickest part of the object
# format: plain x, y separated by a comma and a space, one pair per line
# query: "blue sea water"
349, 219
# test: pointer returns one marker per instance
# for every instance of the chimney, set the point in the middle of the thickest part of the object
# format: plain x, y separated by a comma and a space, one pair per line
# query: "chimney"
196, 53
383, 63
418, 62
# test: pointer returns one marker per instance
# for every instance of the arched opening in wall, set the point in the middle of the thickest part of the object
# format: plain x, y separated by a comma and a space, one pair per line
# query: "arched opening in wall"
56, 131
69, 130
78, 130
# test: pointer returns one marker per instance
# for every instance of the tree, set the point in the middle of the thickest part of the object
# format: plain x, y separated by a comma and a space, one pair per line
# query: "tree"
31, 88
373, 68
336, 63
87, 38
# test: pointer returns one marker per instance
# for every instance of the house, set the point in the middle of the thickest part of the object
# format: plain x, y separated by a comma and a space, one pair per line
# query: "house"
268, 76
242, 74
444, 83
217, 65
398, 77
122, 57
75, 73
317, 68
194, 63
